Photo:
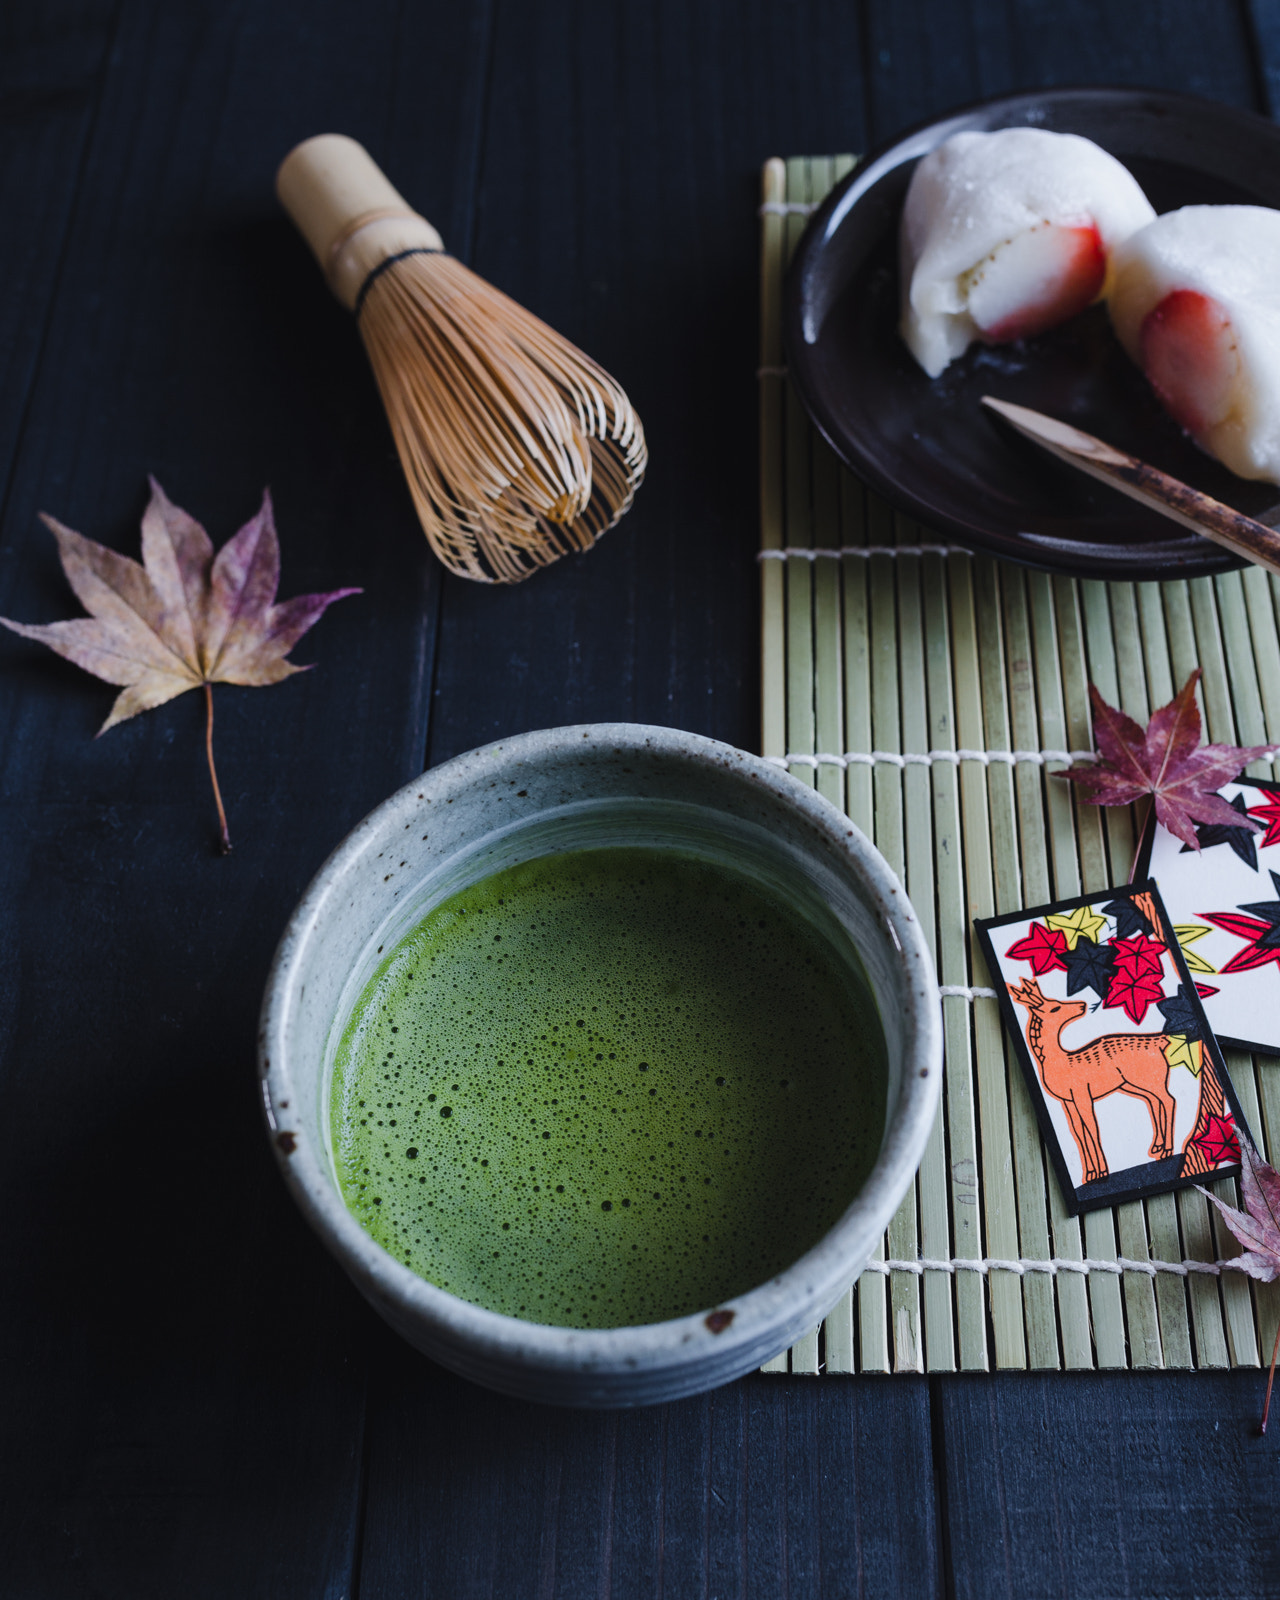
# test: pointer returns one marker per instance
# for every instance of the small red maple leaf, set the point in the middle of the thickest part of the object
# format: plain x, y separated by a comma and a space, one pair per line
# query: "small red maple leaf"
1045, 948
1252, 929
1258, 1229
1269, 813
1135, 988
1166, 760
1219, 1141
1139, 954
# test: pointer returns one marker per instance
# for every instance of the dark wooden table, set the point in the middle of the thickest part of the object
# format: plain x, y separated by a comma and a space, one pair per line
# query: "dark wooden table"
195, 1402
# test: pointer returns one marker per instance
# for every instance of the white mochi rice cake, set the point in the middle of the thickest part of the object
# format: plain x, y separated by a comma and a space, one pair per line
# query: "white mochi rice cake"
1196, 303
1006, 234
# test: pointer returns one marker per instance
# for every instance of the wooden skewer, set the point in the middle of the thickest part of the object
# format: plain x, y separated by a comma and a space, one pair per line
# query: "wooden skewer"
1172, 498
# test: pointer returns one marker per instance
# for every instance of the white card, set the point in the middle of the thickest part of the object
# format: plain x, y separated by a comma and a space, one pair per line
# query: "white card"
1224, 903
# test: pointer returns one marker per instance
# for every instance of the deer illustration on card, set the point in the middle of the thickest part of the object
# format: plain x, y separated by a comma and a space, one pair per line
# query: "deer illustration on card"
1124, 1072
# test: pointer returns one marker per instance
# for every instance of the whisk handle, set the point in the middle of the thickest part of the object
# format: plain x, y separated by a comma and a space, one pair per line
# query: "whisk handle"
348, 212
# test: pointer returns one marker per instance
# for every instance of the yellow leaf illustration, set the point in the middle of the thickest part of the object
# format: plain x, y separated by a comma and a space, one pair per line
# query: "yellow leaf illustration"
1184, 1052
1083, 922
1187, 933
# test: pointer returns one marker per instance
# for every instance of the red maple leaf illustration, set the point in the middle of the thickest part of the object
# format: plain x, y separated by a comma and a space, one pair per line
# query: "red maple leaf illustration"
1139, 954
1043, 947
1219, 1141
1269, 813
1255, 953
1134, 989
1166, 760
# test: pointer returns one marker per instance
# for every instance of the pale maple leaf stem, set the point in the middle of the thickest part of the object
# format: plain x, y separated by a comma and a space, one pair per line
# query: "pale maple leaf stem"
1271, 1378
224, 841
1147, 823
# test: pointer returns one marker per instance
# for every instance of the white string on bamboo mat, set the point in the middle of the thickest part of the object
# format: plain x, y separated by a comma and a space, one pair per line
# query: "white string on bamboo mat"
1056, 1264
962, 991
871, 758
793, 552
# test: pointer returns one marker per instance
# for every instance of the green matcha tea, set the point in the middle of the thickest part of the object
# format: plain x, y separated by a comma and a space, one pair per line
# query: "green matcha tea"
607, 1088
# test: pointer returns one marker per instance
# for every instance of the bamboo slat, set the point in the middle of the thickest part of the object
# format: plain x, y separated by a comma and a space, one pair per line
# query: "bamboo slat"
773, 627
804, 179
914, 842
1004, 1288
926, 659
1119, 675
1073, 1303
932, 1182
872, 1308
1033, 1215
959, 1099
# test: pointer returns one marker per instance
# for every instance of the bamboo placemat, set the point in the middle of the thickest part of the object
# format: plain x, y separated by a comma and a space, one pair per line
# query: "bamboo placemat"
930, 693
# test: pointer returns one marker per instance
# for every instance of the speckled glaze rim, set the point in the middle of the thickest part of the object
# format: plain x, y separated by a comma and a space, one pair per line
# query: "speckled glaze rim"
617, 1366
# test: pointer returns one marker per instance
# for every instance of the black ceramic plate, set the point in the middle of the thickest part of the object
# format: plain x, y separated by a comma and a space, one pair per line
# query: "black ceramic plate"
928, 446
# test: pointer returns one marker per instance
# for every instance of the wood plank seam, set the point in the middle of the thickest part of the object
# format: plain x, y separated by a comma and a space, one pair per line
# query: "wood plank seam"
68, 234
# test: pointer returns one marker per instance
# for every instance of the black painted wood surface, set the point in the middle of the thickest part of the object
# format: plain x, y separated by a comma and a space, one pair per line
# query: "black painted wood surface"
194, 1401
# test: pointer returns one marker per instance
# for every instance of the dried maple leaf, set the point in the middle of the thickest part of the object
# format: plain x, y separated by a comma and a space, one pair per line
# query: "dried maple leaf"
1166, 760
1258, 1229
183, 619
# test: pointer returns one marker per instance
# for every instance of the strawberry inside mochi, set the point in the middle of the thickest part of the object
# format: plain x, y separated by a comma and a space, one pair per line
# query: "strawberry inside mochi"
1036, 280
1189, 355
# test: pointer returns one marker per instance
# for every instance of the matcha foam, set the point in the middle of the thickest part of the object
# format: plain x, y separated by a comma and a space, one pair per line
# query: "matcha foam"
607, 1088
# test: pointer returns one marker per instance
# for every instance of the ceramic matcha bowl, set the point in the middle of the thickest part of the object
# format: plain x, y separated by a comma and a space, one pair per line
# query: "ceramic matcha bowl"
568, 789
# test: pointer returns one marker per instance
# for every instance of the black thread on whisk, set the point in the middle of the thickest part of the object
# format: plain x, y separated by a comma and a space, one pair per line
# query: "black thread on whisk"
418, 250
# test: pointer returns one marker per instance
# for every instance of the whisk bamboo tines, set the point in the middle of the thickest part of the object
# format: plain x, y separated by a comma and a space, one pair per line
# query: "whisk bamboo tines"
518, 448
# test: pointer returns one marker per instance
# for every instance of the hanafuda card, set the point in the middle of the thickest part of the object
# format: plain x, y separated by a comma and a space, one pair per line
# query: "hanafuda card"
1224, 900
1125, 1074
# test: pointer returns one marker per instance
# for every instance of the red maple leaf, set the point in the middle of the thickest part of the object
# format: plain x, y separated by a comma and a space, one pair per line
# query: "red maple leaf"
1043, 947
1255, 953
1134, 989
1139, 954
1269, 812
1166, 760
1219, 1141
1258, 1229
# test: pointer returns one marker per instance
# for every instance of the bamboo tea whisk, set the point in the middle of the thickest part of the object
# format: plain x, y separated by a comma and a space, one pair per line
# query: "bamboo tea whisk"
518, 448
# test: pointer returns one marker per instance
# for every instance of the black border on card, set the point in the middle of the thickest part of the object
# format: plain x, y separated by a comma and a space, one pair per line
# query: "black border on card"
1117, 1187
1142, 869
